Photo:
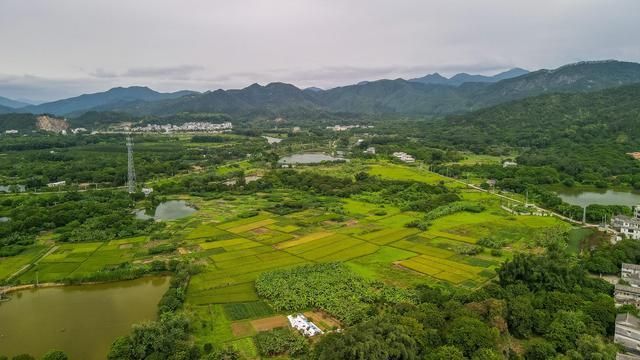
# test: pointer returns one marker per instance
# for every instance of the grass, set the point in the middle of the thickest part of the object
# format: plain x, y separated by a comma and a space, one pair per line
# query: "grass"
250, 310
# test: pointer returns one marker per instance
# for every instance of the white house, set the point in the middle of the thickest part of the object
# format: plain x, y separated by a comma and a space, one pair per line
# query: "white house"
628, 226
57, 183
11, 131
302, 324
403, 156
507, 164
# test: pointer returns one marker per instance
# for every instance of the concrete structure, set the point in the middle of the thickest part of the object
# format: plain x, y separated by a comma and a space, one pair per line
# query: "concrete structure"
57, 183
302, 324
370, 150
627, 333
11, 131
624, 294
620, 356
631, 274
509, 164
402, 156
627, 226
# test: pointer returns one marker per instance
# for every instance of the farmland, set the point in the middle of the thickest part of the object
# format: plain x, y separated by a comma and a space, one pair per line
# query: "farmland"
234, 238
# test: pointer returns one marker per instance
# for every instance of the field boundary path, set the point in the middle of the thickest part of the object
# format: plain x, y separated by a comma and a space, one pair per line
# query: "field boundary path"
35, 262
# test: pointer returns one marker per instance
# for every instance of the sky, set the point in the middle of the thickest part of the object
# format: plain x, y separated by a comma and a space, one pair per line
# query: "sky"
52, 49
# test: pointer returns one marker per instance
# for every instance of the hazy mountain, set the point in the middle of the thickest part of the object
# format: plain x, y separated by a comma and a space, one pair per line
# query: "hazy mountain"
5, 109
462, 78
434, 78
314, 89
10, 103
113, 97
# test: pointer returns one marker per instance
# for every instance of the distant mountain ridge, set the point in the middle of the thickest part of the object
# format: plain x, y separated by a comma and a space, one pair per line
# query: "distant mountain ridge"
113, 97
397, 96
462, 78
10, 103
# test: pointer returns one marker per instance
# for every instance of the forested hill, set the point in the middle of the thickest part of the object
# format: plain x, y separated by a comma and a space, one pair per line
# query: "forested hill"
580, 133
19, 122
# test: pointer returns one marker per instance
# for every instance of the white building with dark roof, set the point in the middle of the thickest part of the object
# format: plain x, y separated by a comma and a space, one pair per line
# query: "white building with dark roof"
628, 226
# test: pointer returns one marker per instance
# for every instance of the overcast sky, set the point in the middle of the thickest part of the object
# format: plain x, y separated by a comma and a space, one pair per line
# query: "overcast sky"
52, 49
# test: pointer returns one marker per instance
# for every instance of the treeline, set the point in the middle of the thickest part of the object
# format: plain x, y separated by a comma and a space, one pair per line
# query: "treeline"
74, 216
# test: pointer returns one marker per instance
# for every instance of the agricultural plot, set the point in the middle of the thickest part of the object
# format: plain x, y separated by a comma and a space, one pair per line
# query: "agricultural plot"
243, 311
386, 236
451, 271
11, 265
399, 172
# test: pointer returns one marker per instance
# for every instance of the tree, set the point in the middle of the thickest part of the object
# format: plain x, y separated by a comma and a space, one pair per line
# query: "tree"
520, 316
448, 352
55, 355
539, 349
565, 330
471, 334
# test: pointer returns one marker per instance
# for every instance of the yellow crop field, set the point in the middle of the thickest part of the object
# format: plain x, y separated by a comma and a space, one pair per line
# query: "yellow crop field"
304, 239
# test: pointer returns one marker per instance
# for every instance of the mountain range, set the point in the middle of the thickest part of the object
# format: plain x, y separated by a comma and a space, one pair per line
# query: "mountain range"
428, 95
462, 78
118, 96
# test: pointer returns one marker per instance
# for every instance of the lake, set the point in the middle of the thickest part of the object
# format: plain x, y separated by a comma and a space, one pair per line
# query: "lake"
307, 158
168, 210
82, 321
602, 197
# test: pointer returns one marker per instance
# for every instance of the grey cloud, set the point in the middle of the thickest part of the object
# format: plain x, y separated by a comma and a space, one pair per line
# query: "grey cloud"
171, 72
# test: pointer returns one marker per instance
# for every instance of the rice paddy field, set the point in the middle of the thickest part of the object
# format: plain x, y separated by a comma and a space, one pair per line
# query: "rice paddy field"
234, 248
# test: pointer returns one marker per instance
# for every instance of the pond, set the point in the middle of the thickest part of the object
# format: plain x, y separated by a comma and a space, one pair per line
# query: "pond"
308, 158
272, 140
82, 321
584, 198
168, 210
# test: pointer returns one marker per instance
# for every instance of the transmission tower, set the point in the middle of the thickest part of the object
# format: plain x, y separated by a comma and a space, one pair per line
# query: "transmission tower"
131, 178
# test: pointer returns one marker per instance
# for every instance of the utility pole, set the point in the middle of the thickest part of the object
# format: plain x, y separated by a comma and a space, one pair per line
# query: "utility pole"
131, 178
584, 215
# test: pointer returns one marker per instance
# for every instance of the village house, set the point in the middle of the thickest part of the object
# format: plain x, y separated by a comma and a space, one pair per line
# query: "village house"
370, 150
57, 183
627, 226
402, 156
507, 164
302, 324
627, 333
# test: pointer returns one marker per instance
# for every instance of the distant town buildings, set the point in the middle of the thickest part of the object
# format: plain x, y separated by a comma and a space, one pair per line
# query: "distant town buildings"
302, 324
627, 333
402, 156
627, 226
348, 127
188, 126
